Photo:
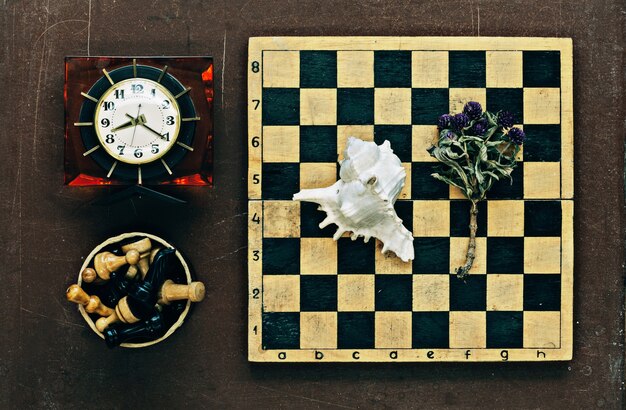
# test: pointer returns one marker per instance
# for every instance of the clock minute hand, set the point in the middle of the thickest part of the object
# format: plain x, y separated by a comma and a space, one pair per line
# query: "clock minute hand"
151, 130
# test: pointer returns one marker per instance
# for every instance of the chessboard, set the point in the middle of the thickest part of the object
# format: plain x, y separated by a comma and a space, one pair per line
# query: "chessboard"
312, 299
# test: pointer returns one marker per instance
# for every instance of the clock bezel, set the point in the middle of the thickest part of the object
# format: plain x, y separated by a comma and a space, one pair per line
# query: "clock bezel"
153, 170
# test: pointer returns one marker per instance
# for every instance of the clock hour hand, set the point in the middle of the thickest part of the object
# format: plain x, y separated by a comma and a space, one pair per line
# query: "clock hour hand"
130, 123
133, 122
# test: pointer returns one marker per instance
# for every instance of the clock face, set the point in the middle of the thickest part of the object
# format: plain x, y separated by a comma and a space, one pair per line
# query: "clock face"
137, 121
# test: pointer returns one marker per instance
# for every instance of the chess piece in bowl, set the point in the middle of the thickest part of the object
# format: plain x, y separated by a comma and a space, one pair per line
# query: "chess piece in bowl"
174, 315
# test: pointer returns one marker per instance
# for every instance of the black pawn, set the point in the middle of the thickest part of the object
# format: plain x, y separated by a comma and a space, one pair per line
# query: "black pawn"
149, 329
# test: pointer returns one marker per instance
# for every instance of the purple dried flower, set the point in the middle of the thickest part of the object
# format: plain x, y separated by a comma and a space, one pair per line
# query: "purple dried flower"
505, 119
479, 128
516, 136
473, 110
459, 121
444, 121
450, 135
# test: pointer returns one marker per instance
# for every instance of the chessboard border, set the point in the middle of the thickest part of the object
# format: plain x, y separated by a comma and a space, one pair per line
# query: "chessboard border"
255, 204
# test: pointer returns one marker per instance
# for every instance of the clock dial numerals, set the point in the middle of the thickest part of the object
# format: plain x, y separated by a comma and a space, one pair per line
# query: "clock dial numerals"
137, 121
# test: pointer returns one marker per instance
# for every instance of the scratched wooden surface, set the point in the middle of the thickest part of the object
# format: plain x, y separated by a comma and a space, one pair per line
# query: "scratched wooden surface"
50, 359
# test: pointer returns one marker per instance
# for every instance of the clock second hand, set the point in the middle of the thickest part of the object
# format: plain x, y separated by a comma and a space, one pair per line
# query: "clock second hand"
135, 129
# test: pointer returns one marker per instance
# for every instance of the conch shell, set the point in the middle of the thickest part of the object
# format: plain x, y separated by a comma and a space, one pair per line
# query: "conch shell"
361, 202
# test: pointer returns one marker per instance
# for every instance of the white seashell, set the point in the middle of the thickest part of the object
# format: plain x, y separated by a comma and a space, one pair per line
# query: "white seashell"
361, 202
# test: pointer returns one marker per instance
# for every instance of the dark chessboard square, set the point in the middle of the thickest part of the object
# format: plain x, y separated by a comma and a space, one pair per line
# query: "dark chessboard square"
542, 218
281, 256
505, 255
310, 219
318, 143
355, 106
543, 142
507, 188
432, 255
355, 330
394, 293
507, 99
404, 210
505, 329
281, 331
318, 293
400, 138
423, 185
469, 294
392, 69
355, 256
318, 69
542, 292
431, 330
280, 180
427, 104
460, 218
467, 69
281, 106
542, 68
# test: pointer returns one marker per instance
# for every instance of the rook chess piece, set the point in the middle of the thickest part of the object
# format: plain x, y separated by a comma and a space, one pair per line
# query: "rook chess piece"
171, 291
106, 262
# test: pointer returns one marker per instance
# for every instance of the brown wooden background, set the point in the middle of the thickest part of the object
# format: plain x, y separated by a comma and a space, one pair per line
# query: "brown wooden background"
48, 357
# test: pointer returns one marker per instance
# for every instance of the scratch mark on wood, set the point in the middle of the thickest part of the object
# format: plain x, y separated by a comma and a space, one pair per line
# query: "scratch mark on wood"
283, 393
472, 14
89, 29
62, 322
228, 254
56, 24
230, 218
223, 66
478, 14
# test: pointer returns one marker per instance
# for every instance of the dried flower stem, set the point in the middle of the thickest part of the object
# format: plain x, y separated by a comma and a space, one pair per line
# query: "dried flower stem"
476, 149
463, 271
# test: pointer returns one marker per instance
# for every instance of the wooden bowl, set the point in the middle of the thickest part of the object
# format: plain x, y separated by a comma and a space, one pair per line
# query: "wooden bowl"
124, 237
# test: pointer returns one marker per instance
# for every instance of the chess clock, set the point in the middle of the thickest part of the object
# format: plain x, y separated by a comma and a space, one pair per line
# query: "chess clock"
138, 121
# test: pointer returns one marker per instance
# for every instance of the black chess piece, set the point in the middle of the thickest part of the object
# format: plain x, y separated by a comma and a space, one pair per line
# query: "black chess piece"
116, 289
143, 295
149, 329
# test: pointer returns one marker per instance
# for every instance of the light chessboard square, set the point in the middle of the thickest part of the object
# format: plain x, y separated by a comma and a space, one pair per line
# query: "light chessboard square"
430, 69
281, 69
504, 69
281, 143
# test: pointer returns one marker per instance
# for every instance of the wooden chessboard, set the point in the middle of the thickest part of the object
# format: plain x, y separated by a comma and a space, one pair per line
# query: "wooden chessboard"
313, 299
